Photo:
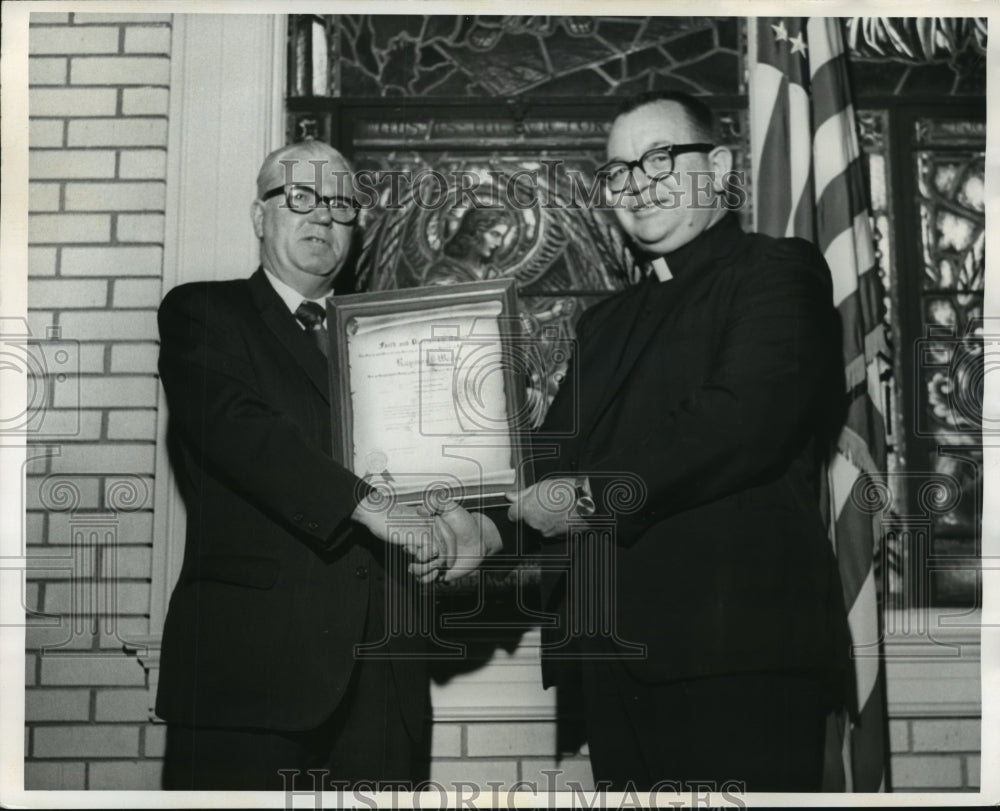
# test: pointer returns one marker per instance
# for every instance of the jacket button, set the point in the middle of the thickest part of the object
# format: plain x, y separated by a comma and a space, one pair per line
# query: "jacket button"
313, 525
297, 517
361, 572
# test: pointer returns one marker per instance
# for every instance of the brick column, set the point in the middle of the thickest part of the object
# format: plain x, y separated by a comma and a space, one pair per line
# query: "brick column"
98, 94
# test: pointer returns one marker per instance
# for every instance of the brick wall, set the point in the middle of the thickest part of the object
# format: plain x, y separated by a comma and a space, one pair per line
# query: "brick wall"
935, 754
98, 93
493, 719
506, 752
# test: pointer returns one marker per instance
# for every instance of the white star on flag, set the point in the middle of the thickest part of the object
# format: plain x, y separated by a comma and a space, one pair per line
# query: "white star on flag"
780, 32
798, 44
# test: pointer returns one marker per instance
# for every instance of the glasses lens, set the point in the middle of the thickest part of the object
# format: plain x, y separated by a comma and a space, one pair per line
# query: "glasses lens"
301, 199
657, 162
343, 210
616, 175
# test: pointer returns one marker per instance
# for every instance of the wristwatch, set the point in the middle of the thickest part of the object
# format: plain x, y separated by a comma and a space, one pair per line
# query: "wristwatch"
585, 504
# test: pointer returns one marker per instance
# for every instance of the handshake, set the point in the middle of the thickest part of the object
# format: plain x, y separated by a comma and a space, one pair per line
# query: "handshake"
457, 543
458, 540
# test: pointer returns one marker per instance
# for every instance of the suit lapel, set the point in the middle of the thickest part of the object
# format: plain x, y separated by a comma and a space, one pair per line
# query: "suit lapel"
286, 329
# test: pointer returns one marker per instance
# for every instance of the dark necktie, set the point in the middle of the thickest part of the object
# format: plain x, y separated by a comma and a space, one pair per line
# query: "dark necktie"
310, 315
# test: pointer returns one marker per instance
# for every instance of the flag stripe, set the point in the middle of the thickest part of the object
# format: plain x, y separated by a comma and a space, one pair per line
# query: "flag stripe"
843, 473
862, 309
824, 45
829, 85
864, 420
768, 83
859, 310
853, 446
833, 152
802, 223
828, 70
855, 564
868, 751
837, 252
871, 299
775, 151
858, 371
799, 162
838, 207
865, 637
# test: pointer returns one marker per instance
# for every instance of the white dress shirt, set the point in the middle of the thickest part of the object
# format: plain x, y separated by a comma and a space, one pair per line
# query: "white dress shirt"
291, 297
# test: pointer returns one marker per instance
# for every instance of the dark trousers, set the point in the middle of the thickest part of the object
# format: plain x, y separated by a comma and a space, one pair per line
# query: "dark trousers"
757, 732
364, 740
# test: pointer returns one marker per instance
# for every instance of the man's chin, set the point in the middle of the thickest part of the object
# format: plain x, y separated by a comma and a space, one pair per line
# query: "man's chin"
324, 269
655, 242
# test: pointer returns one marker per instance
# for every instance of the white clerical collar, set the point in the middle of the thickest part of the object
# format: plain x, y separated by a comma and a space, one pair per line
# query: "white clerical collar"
661, 269
289, 295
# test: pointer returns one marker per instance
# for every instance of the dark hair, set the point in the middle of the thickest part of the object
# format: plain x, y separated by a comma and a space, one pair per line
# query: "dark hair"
474, 223
699, 114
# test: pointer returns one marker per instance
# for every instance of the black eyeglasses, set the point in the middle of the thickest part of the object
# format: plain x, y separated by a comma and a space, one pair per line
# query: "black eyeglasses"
656, 163
304, 199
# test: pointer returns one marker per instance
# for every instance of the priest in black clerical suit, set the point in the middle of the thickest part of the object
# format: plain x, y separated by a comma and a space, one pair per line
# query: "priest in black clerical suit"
706, 391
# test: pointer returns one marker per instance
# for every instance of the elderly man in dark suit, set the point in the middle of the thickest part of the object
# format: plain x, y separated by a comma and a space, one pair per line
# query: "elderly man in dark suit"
289, 563
706, 389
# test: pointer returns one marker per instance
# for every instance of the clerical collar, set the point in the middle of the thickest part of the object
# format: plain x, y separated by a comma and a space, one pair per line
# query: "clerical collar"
709, 245
660, 269
289, 295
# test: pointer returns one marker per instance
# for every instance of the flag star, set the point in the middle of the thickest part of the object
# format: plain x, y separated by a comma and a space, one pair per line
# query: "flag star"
798, 44
780, 32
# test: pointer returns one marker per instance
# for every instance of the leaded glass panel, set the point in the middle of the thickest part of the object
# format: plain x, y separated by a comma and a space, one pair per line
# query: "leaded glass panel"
949, 170
952, 219
394, 55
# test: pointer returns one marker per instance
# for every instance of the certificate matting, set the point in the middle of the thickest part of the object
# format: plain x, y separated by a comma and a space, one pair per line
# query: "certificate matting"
426, 393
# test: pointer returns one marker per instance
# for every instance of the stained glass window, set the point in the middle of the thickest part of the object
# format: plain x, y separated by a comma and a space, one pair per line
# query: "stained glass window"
952, 219
395, 55
949, 167
916, 56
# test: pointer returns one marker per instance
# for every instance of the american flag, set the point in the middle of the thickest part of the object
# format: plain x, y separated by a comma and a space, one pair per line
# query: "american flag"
808, 182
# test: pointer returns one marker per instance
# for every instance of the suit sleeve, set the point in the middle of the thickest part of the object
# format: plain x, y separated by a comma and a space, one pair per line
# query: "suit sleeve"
229, 426
744, 425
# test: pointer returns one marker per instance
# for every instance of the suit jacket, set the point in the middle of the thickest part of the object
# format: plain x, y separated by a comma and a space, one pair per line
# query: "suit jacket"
699, 407
278, 584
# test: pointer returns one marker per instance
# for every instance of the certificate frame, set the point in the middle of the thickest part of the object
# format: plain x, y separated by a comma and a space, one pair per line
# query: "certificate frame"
346, 312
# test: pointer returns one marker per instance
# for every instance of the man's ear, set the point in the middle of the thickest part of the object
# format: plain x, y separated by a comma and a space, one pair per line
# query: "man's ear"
721, 161
257, 218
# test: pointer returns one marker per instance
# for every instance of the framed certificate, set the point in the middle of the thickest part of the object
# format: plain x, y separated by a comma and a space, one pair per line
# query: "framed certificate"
428, 393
